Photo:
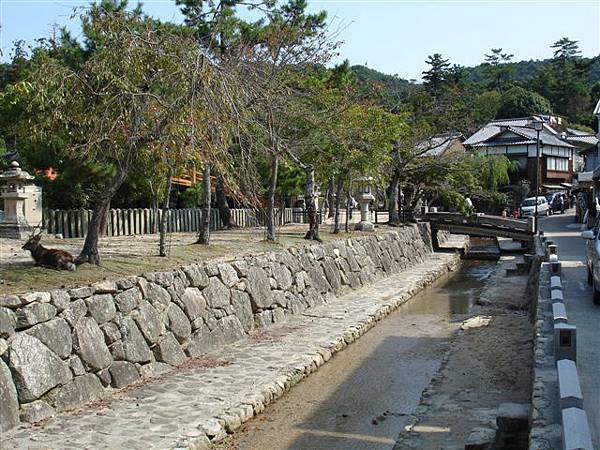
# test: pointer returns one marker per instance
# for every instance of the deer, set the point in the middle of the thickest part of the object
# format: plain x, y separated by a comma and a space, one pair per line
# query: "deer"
47, 257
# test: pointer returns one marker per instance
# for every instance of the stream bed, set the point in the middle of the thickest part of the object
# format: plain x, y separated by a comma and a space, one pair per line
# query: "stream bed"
362, 397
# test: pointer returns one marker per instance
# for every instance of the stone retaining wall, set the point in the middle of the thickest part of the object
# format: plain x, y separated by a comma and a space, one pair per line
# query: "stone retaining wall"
63, 348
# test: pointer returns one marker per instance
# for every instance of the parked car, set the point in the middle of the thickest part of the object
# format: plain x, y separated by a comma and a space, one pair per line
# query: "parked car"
527, 208
554, 202
592, 259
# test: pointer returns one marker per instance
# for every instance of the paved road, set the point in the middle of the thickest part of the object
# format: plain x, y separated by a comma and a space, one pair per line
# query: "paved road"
581, 311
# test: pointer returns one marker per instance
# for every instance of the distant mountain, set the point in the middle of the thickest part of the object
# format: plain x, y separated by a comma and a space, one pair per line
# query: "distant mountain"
526, 69
392, 89
524, 72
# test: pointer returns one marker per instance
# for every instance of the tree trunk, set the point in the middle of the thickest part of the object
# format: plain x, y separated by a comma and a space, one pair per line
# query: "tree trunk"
338, 202
348, 206
222, 205
271, 198
155, 213
331, 201
204, 234
392, 194
311, 210
89, 253
162, 248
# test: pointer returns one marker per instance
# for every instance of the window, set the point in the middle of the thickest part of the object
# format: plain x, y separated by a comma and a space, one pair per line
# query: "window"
557, 164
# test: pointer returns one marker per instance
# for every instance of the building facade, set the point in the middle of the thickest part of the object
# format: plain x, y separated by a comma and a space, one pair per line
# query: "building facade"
556, 157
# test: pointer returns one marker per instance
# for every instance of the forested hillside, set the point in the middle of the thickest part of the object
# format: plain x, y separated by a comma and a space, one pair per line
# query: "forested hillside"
568, 85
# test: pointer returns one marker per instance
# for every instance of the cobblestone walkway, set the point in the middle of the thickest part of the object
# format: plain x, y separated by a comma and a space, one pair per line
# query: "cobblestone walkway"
213, 395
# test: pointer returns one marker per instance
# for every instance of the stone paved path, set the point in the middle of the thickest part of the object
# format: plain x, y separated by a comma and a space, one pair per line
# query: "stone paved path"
215, 394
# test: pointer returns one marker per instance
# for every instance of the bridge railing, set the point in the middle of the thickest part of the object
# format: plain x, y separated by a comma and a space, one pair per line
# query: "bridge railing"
482, 221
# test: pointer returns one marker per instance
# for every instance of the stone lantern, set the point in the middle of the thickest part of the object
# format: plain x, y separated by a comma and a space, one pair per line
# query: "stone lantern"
15, 186
364, 198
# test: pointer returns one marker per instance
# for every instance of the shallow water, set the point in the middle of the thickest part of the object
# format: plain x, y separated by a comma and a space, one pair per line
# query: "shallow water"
361, 398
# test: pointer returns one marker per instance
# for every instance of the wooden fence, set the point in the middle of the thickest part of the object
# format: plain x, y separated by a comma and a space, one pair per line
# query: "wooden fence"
73, 223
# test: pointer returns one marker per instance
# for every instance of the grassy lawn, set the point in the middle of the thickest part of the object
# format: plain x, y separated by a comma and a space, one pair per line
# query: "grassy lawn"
133, 255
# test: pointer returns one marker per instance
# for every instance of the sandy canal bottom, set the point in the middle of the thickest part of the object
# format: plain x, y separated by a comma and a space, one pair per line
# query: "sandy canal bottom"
363, 397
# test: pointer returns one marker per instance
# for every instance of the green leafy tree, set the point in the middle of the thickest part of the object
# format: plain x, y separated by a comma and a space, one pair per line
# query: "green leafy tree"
519, 102
436, 77
146, 92
499, 70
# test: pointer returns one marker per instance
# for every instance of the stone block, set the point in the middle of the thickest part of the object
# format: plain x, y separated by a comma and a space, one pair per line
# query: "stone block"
565, 341
101, 307
243, 309
559, 312
81, 390
148, 321
568, 385
75, 311
125, 283
263, 319
33, 314
228, 330
154, 369
60, 299
104, 377
178, 323
111, 332
128, 300
3, 346
36, 297
35, 368
318, 280
282, 276
278, 315
123, 373
257, 285
9, 403
241, 267
36, 411
196, 276
227, 274
82, 292
576, 430
76, 365
89, 344
193, 302
54, 334
332, 273
513, 417
216, 293
9, 301
8, 322
105, 287
134, 345
168, 351
158, 296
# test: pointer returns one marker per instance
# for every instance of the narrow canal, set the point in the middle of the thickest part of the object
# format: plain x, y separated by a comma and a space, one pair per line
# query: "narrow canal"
361, 398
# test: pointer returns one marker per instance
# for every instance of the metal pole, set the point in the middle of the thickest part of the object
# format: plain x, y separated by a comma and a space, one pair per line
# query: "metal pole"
537, 177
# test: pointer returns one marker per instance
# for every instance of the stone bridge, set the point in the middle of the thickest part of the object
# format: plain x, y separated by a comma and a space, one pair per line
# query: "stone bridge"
481, 225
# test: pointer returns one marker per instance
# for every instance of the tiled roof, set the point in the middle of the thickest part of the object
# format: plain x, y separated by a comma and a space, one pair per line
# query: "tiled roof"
487, 133
438, 144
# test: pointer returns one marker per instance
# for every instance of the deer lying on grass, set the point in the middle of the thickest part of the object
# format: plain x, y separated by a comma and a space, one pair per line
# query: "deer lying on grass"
46, 257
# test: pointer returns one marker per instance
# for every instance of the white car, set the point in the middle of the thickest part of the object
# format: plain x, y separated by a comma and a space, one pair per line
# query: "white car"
527, 208
592, 257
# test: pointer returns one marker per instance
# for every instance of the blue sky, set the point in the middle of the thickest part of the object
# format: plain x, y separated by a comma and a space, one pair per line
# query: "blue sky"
393, 36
